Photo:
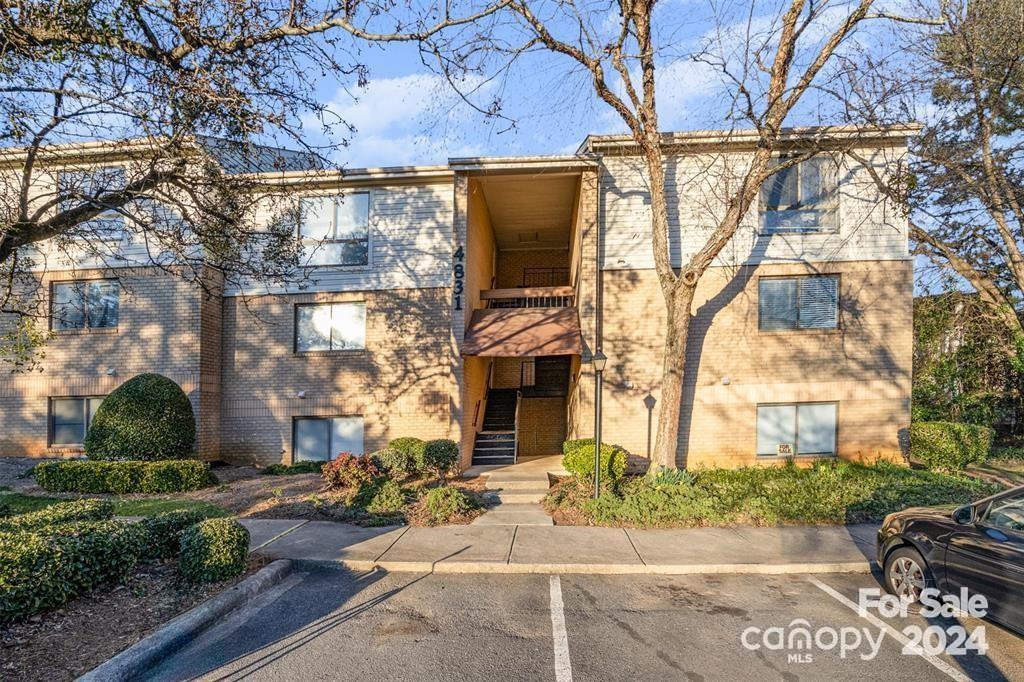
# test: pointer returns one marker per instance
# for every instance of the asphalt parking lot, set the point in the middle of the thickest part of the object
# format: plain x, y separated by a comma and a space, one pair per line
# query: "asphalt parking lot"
326, 622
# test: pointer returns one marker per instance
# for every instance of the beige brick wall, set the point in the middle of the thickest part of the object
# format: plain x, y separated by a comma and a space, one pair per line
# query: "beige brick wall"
541, 426
512, 264
166, 325
732, 366
401, 384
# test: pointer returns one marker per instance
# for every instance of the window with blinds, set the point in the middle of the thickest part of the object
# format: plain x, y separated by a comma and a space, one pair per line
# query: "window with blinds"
798, 303
801, 198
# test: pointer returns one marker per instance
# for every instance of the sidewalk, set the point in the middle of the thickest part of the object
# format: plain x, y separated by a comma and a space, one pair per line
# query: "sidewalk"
569, 549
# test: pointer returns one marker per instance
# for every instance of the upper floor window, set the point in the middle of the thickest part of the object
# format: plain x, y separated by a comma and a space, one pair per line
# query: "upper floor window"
798, 302
77, 187
330, 326
801, 198
85, 305
335, 230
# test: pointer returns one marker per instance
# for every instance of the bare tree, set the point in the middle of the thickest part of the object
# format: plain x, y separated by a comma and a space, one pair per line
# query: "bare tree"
963, 65
768, 64
190, 100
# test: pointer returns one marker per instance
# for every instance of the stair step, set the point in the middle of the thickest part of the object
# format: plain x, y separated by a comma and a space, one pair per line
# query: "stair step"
514, 485
493, 459
516, 496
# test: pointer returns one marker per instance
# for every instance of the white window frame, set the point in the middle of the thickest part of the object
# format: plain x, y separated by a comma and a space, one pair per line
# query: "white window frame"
317, 243
797, 328
764, 209
85, 309
332, 452
796, 441
295, 328
87, 419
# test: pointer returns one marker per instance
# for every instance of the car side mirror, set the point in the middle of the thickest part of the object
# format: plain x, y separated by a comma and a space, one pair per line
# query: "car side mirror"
964, 514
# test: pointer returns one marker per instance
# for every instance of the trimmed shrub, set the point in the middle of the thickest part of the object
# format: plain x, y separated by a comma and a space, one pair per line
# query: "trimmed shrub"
167, 476
578, 459
413, 447
1007, 452
443, 505
395, 462
349, 471
163, 532
440, 456
949, 446
39, 570
60, 513
147, 417
212, 550
305, 467
389, 499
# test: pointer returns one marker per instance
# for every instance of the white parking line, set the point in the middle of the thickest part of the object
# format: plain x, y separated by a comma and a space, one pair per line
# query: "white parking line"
952, 672
563, 667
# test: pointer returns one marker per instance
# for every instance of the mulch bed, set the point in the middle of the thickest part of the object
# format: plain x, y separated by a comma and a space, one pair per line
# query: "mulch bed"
68, 642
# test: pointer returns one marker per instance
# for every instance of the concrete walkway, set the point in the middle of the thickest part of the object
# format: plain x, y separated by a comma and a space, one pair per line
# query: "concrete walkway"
518, 490
569, 549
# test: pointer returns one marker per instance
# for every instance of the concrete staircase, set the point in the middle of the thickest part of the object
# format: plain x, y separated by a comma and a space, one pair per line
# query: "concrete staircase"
518, 494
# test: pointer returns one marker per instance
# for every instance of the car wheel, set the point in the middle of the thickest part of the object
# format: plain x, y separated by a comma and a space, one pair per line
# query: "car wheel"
907, 574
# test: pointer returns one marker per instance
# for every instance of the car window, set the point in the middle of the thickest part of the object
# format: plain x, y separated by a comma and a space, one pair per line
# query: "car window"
1007, 513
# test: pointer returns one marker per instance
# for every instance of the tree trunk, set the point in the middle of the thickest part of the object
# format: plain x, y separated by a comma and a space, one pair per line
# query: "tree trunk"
677, 331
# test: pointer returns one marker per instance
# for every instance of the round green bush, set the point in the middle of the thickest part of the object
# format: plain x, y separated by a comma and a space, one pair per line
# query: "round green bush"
395, 462
212, 550
389, 499
440, 456
949, 446
412, 447
163, 532
147, 417
578, 459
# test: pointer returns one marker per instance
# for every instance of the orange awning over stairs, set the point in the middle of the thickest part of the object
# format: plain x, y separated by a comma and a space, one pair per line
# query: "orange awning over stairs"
523, 332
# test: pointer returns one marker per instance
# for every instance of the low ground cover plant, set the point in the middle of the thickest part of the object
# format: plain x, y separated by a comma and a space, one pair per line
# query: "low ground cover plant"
86, 476
826, 492
214, 549
147, 417
949, 446
443, 505
305, 467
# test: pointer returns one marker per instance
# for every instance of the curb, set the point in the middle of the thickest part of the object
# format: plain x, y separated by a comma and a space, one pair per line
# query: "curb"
176, 633
608, 569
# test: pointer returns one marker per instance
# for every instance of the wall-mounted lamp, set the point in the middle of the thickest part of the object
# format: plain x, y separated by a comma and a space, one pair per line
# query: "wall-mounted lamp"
302, 394
726, 381
111, 371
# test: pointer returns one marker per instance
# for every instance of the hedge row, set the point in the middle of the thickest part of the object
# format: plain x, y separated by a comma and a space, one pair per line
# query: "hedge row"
168, 476
949, 446
45, 561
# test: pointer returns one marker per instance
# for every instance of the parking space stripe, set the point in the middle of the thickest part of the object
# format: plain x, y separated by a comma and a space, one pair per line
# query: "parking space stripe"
563, 667
938, 663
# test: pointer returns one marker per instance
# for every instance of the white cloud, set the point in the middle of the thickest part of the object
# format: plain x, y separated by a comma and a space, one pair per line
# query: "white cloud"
405, 120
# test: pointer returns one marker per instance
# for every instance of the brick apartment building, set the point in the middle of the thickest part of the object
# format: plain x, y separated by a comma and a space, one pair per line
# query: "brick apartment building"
464, 301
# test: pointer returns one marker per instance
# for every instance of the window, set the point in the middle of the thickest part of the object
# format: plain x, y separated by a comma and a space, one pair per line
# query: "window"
798, 303
336, 230
85, 305
1006, 513
70, 419
801, 198
798, 429
87, 186
330, 326
320, 439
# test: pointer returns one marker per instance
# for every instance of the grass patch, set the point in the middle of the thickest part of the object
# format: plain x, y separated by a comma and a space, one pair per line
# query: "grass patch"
17, 503
825, 493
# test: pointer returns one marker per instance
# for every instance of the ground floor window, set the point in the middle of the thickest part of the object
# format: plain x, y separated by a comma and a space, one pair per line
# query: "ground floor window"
321, 439
70, 419
796, 429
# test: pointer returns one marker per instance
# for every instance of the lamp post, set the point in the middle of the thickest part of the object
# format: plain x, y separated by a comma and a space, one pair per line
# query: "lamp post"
599, 360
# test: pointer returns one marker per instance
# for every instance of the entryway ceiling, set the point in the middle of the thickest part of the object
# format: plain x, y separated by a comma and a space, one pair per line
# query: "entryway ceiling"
531, 211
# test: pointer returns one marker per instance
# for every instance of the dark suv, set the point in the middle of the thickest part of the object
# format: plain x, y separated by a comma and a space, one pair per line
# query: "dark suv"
979, 546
